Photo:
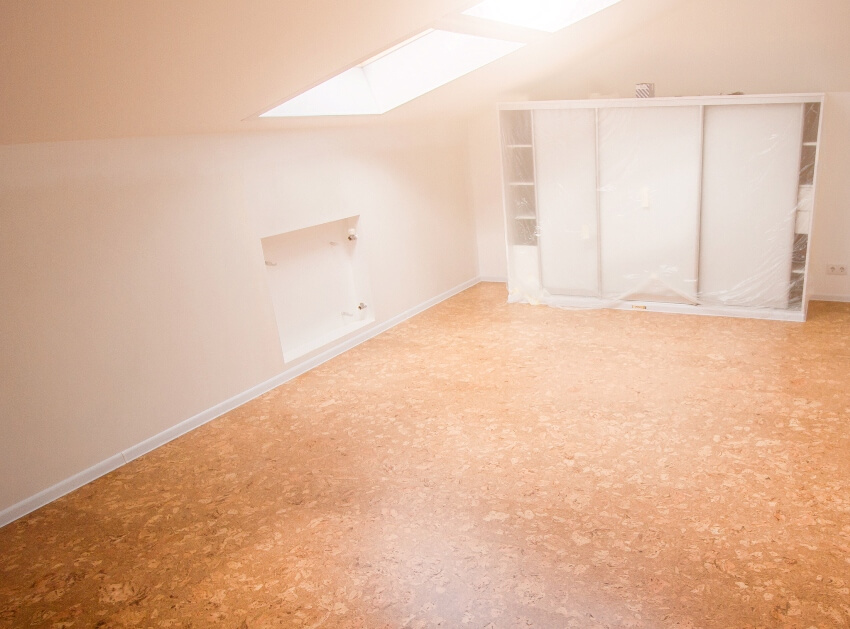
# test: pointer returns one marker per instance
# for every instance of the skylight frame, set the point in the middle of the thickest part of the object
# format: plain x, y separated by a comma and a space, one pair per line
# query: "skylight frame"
380, 84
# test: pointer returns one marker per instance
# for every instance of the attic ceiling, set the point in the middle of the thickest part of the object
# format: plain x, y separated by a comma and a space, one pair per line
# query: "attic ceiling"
93, 69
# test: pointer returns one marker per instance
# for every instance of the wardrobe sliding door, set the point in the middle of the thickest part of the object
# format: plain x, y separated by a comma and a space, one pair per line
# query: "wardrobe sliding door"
565, 154
649, 175
750, 188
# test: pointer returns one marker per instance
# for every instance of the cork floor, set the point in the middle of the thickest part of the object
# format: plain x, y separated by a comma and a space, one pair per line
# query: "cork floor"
483, 465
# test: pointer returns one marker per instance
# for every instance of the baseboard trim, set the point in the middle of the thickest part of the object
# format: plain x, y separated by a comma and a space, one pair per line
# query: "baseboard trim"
58, 490
839, 298
493, 278
28, 505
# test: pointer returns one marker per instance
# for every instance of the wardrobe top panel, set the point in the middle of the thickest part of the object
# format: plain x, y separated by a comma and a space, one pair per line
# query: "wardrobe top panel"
677, 101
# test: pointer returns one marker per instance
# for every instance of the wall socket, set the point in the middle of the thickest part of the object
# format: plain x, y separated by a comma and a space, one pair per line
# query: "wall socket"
836, 269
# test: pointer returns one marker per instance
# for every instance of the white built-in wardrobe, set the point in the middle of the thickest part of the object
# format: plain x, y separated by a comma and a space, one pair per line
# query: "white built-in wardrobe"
697, 204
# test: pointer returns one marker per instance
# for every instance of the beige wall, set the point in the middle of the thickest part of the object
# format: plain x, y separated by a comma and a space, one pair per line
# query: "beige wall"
133, 284
711, 47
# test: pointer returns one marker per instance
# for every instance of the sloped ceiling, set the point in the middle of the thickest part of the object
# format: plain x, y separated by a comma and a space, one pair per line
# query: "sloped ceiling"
717, 47
92, 69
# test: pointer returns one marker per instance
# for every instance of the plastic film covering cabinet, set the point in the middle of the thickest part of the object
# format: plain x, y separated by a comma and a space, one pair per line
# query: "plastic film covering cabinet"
696, 204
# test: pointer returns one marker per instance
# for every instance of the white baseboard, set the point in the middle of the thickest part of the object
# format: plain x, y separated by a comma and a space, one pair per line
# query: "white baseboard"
28, 505
838, 298
58, 490
493, 278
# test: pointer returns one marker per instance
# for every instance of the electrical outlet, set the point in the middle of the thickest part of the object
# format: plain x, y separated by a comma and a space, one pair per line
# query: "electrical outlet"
836, 269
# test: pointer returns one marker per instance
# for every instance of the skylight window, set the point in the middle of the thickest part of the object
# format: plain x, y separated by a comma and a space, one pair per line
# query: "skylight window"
398, 75
541, 15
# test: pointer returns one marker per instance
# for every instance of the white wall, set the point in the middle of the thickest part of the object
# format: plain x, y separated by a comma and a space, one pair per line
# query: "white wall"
485, 193
709, 47
830, 242
130, 299
133, 284
408, 184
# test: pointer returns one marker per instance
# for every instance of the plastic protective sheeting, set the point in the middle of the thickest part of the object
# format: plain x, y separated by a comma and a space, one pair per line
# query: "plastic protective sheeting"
750, 190
694, 206
569, 238
649, 172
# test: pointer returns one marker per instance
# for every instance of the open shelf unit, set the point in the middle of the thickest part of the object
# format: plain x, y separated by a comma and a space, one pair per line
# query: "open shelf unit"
519, 175
805, 202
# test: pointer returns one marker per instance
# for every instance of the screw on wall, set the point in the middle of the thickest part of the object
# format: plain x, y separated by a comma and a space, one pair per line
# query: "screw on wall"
836, 269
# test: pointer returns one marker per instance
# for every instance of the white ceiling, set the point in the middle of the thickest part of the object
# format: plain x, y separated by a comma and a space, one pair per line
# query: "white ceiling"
91, 69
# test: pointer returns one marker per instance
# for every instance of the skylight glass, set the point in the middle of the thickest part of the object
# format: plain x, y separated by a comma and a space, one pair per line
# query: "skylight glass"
541, 15
398, 75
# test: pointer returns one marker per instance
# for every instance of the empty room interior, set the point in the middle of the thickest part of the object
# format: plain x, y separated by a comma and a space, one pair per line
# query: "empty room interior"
445, 313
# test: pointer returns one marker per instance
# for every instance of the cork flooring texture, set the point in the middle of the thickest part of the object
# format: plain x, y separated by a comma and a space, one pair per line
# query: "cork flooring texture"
483, 465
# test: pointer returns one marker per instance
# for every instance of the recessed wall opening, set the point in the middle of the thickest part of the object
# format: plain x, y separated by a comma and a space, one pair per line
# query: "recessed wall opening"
318, 285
